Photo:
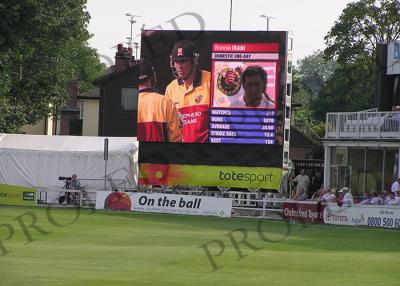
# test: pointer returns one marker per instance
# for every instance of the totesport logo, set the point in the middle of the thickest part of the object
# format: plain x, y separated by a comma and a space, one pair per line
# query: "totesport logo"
245, 177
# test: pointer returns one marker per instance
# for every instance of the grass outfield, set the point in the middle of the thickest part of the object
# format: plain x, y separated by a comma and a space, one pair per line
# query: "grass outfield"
104, 248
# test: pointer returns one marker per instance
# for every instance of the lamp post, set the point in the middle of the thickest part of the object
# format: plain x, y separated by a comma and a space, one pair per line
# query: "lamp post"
268, 18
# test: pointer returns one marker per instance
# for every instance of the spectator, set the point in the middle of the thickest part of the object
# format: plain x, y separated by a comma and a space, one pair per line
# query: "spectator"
316, 181
347, 198
376, 199
330, 197
302, 180
315, 196
386, 197
300, 195
365, 200
393, 200
319, 193
324, 194
395, 186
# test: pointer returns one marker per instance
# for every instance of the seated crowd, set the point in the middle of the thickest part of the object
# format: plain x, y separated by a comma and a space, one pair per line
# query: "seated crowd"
344, 197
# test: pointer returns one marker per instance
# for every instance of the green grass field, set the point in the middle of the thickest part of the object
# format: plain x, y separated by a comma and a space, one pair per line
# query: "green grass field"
104, 248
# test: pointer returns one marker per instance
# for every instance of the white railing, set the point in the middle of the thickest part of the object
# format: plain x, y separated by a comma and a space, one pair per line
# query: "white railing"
380, 125
101, 184
265, 207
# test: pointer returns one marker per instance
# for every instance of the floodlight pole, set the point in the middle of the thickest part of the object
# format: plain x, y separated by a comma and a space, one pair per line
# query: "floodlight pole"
268, 18
230, 17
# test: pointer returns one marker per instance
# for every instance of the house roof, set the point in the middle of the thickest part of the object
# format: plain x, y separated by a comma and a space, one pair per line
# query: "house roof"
111, 74
300, 139
92, 94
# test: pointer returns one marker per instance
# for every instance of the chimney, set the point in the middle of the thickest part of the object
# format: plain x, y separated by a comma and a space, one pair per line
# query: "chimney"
123, 58
73, 89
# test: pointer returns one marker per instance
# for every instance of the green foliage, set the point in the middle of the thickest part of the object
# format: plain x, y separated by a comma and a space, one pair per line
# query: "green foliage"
309, 78
41, 50
360, 27
351, 88
342, 79
314, 71
319, 129
88, 67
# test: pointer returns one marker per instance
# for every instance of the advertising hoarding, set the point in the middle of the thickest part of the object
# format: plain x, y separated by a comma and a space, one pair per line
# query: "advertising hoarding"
393, 58
17, 196
308, 212
372, 216
164, 203
198, 175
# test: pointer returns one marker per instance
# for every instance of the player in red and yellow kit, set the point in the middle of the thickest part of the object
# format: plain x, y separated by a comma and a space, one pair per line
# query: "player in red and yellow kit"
190, 92
158, 119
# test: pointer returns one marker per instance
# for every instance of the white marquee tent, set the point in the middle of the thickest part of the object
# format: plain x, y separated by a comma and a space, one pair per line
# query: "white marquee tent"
39, 160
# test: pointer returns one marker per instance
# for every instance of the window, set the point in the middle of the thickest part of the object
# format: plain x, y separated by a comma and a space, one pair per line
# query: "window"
287, 112
81, 105
75, 126
357, 162
285, 157
391, 167
373, 171
339, 156
290, 48
289, 69
129, 98
286, 134
288, 89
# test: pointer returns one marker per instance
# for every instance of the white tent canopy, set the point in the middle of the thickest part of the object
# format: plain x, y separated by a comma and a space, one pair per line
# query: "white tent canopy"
39, 160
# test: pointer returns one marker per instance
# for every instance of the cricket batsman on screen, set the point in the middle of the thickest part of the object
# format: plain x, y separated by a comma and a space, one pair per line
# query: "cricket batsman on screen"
190, 92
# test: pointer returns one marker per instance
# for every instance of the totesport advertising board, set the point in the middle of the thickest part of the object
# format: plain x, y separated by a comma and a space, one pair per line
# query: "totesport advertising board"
197, 175
230, 115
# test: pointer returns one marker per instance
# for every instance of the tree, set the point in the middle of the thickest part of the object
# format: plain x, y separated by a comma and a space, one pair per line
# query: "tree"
39, 58
15, 17
309, 78
352, 43
314, 71
88, 67
350, 88
360, 27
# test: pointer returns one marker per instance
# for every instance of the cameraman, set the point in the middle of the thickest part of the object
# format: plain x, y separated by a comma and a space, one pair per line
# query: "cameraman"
72, 184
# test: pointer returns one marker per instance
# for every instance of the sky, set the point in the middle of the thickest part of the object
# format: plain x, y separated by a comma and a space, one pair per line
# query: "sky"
308, 21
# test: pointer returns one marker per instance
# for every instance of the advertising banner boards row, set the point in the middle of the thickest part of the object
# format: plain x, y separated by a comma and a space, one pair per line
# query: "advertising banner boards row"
17, 196
372, 216
164, 203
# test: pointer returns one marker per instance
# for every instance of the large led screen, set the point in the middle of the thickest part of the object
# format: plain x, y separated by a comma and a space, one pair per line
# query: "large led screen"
214, 91
214, 114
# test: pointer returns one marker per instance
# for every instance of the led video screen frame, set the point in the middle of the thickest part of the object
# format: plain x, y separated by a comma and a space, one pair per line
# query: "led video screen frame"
238, 134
